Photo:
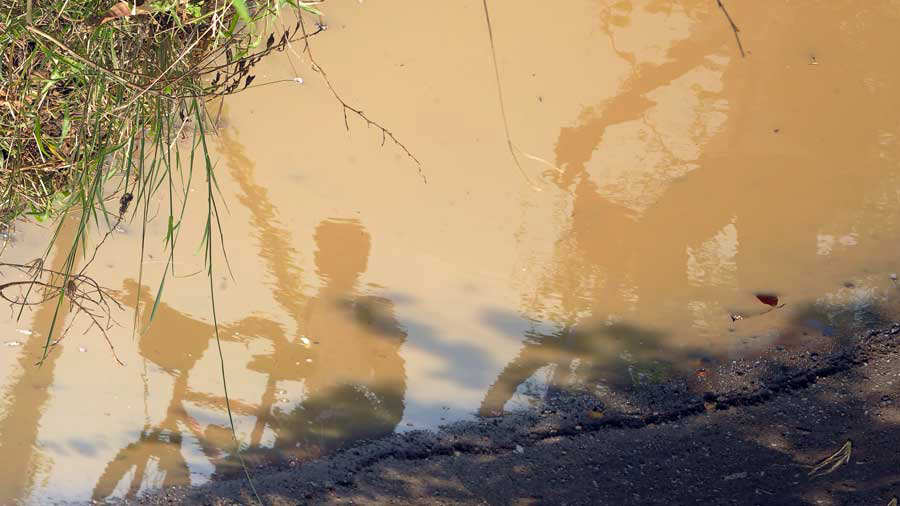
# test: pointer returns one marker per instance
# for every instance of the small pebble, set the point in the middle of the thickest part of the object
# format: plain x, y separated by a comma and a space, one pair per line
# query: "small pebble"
519, 449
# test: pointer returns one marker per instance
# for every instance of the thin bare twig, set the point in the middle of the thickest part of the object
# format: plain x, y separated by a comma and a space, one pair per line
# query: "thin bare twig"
85, 295
385, 133
734, 27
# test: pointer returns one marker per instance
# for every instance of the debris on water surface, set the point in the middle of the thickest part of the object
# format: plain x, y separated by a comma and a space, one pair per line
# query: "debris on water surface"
82, 349
305, 340
298, 80
735, 476
768, 298
309, 360
13, 343
24, 331
836, 460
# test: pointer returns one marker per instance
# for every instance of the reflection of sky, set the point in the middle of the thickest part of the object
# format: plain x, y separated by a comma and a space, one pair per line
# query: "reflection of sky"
638, 159
462, 258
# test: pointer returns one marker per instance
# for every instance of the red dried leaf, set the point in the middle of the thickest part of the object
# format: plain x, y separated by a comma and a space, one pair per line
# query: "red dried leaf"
768, 299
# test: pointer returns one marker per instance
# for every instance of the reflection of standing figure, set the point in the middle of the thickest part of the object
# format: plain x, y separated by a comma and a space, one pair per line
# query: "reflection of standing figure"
356, 381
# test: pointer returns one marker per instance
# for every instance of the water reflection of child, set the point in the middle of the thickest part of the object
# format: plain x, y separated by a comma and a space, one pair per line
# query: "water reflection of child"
356, 381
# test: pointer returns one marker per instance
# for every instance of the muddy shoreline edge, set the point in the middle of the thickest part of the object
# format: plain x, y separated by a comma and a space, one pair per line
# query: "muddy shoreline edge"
662, 420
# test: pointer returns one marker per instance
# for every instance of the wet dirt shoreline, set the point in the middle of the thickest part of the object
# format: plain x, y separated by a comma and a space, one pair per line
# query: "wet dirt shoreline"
750, 437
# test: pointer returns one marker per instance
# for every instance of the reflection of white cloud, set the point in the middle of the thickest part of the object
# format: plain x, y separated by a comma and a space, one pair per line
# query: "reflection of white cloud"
122, 487
289, 394
848, 240
700, 312
198, 464
646, 34
628, 292
824, 244
153, 476
531, 392
713, 262
638, 159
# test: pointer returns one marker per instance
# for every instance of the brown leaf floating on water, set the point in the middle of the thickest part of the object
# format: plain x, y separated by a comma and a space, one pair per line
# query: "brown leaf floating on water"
768, 299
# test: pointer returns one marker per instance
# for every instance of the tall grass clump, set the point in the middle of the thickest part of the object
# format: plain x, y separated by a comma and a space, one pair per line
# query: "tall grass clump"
94, 95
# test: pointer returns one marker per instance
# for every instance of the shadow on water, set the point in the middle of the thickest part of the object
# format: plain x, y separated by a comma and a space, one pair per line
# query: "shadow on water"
654, 228
753, 449
344, 353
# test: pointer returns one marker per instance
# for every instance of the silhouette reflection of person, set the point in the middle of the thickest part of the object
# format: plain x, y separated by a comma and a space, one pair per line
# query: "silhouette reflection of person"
356, 380
351, 370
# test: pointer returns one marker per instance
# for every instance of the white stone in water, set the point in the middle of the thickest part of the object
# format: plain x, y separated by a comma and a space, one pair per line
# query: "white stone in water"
305, 341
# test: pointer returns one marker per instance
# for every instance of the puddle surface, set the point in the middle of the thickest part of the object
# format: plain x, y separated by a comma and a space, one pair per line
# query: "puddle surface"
362, 301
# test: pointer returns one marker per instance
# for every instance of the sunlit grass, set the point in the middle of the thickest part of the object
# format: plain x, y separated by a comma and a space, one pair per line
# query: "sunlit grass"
94, 97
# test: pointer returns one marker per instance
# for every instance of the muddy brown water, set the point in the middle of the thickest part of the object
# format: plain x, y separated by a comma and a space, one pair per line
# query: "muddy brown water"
362, 301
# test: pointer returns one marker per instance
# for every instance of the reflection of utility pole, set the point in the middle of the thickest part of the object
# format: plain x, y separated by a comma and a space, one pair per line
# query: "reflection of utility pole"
29, 393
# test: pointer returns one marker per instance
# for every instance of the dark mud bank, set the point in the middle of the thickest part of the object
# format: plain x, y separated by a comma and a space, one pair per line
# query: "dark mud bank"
747, 433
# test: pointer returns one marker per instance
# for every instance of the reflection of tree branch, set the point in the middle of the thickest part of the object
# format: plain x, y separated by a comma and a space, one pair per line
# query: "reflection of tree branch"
385, 133
734, 27
82, 292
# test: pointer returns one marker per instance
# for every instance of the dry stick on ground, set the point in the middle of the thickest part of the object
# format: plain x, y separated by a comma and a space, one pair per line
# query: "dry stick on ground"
385, 133
734, 27
82, 292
